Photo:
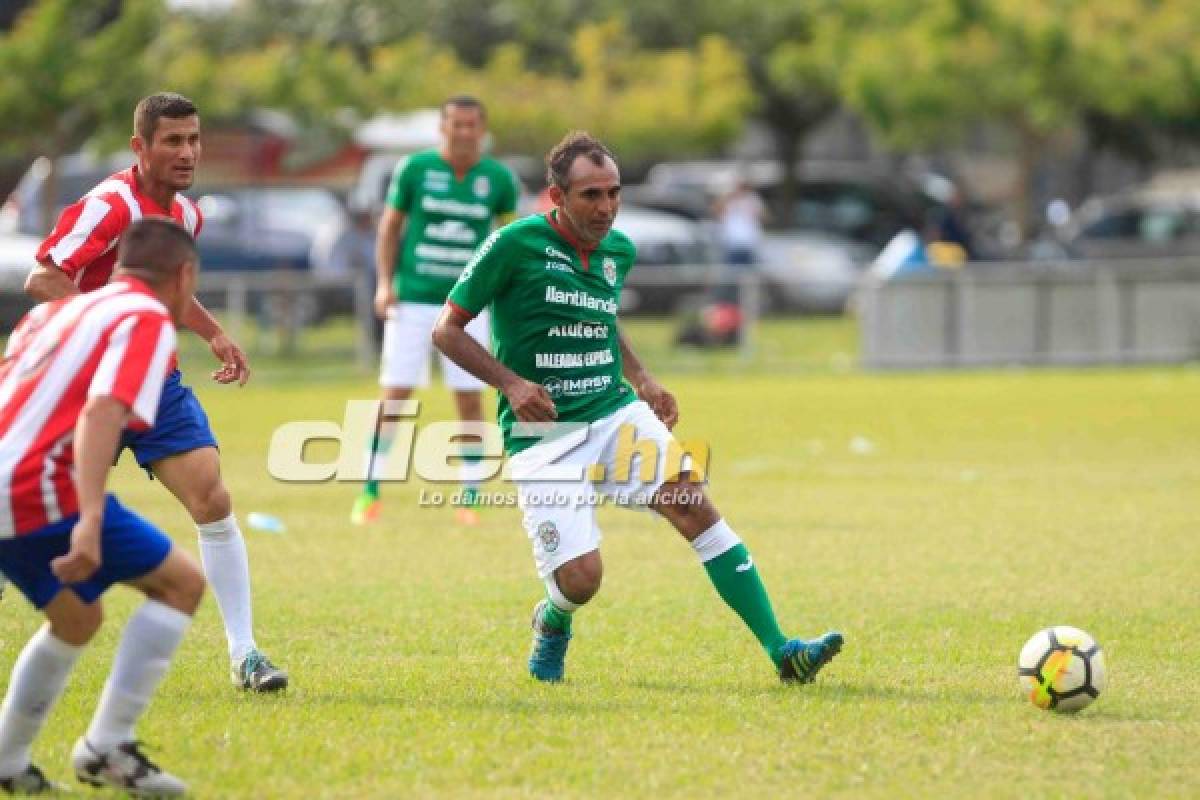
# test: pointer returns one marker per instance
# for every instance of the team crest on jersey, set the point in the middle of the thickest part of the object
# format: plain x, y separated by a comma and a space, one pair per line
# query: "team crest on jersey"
437, 181
610, 271
482, 187
548, 534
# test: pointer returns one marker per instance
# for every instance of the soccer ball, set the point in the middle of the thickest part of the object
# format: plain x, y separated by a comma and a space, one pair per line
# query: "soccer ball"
1062, 669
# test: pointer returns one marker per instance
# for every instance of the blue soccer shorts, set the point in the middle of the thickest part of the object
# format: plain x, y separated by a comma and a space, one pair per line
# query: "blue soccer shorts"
179, 427
130, 547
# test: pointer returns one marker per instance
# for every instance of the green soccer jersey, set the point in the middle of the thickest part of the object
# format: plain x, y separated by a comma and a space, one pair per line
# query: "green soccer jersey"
447, 218
554, 316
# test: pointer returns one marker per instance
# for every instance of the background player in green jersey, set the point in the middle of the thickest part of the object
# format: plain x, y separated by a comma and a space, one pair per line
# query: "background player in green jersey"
552, 284
444, 203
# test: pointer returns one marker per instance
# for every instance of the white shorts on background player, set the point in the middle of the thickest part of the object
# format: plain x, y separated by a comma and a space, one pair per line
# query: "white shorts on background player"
408, 345
560, 516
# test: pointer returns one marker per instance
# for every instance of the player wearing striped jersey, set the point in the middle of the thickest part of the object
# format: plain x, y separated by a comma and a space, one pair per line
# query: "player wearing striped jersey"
75, 373
180, 451
445, 202
552, 284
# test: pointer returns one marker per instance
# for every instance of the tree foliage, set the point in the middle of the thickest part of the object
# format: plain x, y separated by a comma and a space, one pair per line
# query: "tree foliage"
69, 68
923, 71
669, 78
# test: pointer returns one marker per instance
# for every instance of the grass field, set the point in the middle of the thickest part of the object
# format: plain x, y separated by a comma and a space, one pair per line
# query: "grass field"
937, 519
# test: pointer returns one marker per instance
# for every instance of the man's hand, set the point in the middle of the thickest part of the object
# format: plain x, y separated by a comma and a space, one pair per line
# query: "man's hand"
385, 298
83, 559
661, 402
47, 282
530, 401
234, 366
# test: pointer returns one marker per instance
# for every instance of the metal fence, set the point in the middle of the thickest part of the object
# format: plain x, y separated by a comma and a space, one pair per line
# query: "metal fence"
1117, 312
269, 311
984, 315
284, 303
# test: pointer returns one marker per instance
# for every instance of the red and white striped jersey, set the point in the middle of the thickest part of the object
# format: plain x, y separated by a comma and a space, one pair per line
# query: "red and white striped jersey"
117, 341
83, 243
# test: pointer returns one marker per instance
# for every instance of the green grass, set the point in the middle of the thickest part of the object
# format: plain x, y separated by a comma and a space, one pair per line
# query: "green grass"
976, 509
780, 345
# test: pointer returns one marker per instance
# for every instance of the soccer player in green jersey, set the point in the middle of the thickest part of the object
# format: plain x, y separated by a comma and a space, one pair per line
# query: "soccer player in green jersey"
552, 283
444, 202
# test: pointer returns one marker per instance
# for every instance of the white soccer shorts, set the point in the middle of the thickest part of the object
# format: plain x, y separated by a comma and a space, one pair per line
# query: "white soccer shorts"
560, 516
407, 347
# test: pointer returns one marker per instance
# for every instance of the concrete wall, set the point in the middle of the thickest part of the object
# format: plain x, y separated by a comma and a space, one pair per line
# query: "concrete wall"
1015, 314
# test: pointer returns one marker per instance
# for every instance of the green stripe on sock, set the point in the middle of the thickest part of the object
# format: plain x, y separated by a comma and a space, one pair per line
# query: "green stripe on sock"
736, 579
380, 445
555, 617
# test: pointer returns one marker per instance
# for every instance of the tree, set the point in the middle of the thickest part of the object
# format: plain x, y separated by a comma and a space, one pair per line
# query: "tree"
322, 87
792, 73
323, 58
1144, 83
66, 75
922, 71
646, 104
10, 11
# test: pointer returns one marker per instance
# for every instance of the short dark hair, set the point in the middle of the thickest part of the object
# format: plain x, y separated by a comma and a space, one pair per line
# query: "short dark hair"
572, 146
464, 101
153, 108
154, 248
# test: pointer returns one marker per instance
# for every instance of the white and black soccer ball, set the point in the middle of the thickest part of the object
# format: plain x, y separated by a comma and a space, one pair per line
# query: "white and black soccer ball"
1062, 669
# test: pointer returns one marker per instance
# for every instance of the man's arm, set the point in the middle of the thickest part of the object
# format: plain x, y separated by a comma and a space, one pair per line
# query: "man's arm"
47, 282
97, 436
648, 389
530, 401
387, 242
234, 364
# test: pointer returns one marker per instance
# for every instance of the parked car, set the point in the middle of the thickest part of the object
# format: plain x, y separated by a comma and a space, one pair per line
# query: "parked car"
23, 210
256, 228
664, 241
245, 227
17, 252
814, 253
1151, 222
813, 272
853, 200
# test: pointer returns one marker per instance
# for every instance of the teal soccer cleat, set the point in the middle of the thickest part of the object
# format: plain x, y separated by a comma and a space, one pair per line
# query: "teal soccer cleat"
546, 659
256, 673
801, 660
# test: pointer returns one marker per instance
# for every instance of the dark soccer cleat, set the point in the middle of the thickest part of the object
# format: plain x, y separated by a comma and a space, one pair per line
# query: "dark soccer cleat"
124, 767
30, 781
800, 661
546, 659
256, 673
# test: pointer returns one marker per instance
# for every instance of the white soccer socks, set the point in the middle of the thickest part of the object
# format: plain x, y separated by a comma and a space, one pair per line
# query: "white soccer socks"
223, 553
150, 640
38, 678
716, 541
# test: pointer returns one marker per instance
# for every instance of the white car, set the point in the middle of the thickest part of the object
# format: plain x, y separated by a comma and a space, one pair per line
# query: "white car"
17, 252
